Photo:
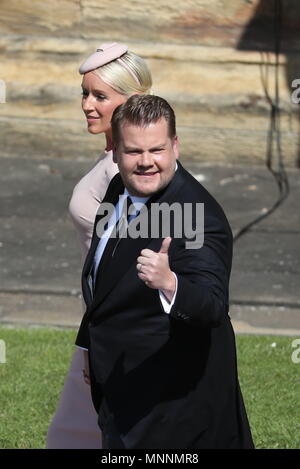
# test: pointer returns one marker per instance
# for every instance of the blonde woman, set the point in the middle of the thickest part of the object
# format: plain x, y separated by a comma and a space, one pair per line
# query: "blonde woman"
110, 76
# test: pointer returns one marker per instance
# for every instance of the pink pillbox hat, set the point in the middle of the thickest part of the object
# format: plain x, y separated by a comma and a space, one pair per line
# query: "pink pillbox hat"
104, 54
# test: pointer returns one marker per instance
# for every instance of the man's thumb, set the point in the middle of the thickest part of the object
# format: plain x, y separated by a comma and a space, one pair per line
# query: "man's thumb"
165, 245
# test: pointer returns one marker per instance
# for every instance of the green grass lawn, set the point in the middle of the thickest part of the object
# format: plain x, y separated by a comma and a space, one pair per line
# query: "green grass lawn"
37, 361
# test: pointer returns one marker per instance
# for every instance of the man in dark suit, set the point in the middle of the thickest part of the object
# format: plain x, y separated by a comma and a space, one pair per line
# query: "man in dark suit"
161, 345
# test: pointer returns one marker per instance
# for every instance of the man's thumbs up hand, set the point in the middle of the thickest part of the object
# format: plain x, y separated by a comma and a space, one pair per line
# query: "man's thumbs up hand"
153, 268
165, 245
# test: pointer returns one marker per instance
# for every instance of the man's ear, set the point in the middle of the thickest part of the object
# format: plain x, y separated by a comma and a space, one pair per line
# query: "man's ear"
176, 146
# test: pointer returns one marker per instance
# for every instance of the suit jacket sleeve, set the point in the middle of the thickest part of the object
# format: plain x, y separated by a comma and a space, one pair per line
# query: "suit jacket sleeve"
203, 275
82, 339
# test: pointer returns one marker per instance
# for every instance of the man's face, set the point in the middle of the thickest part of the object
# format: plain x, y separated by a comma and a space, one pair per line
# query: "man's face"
146, 157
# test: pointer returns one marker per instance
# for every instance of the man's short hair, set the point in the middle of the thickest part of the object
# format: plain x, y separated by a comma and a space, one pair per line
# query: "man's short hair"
142, 110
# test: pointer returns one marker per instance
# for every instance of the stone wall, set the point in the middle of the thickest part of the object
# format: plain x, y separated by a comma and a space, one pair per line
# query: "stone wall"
212, 59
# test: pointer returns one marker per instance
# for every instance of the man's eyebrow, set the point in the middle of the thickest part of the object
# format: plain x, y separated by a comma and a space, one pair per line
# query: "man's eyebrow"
160, 146
132, 148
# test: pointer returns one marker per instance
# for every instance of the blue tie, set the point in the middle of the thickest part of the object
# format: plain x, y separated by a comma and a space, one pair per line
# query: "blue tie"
116, 236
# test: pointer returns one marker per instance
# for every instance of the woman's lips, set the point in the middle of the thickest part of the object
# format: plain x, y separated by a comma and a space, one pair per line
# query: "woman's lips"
92, 118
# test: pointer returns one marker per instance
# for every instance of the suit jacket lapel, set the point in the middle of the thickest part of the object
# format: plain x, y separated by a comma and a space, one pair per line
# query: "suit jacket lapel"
129, 249
112, 195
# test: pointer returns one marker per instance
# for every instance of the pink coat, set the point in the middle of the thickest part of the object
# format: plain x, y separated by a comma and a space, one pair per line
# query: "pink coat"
74, 425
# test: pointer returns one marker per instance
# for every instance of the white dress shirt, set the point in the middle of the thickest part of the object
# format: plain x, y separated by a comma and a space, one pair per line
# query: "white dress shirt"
138, 203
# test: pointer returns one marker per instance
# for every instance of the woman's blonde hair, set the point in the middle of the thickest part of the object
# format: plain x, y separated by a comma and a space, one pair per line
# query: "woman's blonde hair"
118, 77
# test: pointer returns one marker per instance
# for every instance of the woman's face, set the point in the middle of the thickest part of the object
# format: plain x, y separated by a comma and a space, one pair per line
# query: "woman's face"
99, 101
